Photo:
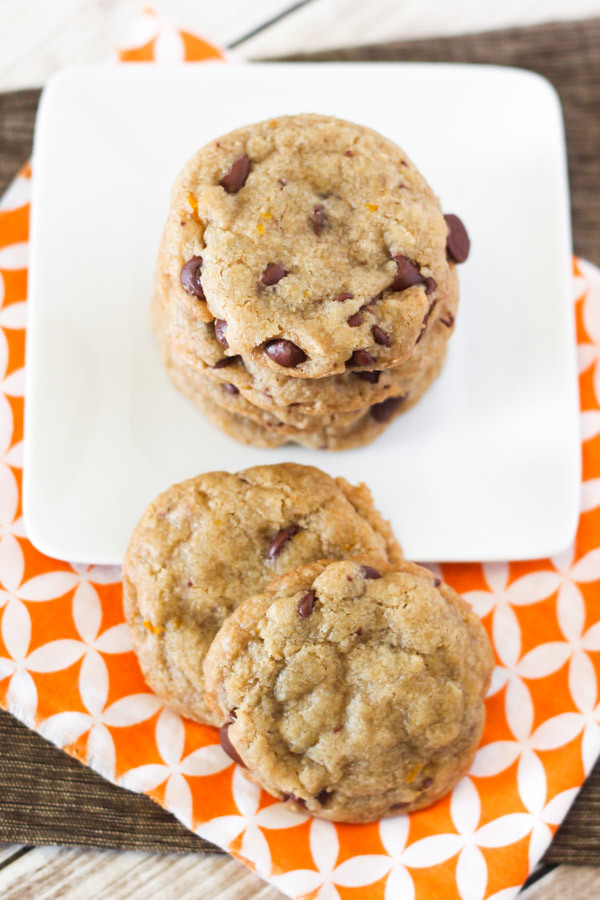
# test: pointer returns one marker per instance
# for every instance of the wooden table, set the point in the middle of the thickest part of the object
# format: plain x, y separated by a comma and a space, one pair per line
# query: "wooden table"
36, 39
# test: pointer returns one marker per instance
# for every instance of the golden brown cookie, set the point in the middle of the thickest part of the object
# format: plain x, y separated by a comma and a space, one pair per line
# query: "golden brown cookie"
206, 544
192, 342
313, 243
247, 430
352, 692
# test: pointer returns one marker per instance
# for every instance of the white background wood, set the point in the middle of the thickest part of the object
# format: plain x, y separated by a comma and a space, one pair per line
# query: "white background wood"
565, 883
7, 851
46, 873
36, 38
323, 24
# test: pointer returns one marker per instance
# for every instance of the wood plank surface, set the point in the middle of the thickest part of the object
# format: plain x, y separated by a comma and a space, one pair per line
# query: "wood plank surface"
9, 852
328, 24
45, 873
566, 883
37, 38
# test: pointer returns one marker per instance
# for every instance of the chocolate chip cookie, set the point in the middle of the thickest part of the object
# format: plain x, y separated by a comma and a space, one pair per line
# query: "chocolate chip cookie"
271, 432
313, 245
206, 544
291, 399
351, 691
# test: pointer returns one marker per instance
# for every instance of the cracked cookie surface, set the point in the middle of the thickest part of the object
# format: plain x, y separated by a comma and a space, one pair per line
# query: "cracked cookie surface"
313, 245
193, 343
247, 425
352, 692
206, 544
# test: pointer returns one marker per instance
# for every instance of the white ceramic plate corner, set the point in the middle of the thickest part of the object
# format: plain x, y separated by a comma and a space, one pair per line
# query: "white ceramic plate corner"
485, 467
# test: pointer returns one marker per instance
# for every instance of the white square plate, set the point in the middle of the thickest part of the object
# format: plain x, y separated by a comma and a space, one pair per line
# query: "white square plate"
485, 467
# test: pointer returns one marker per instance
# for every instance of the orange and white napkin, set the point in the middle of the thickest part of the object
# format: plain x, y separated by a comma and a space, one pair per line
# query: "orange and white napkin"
68, 671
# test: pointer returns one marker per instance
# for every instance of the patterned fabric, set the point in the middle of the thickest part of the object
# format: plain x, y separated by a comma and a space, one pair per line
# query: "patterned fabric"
67, 670
154, 39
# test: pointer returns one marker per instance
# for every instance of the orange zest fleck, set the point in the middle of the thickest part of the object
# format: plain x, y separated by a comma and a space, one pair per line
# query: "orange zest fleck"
371, 206
260, 228
266, 215
413, 773
153, 629
194, 204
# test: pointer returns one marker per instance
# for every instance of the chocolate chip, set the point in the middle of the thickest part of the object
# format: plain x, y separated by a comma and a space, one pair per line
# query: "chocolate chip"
226, 361
348, 153
448, 321
236, 177
358, 632
318, 218
399, 805
373, 300
341, 297
360, 358
295, 798
437, 582
457, 242
371, 377
220, 330
190, 277
228, 746
426, 783
383, 412
337, 729
306, 604
355, 320
230, 388
403, 163
285, 353
323, 796
273, 274
380, 336
370, 572
233, 715
276, 545
190, 583
425, 321
407, 275
282, 182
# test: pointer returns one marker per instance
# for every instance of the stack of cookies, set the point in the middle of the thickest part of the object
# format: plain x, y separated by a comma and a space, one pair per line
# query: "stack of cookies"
306, 284
275, 603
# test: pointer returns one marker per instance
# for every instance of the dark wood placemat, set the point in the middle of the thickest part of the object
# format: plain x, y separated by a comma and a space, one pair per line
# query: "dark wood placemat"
17, 117
48, 798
